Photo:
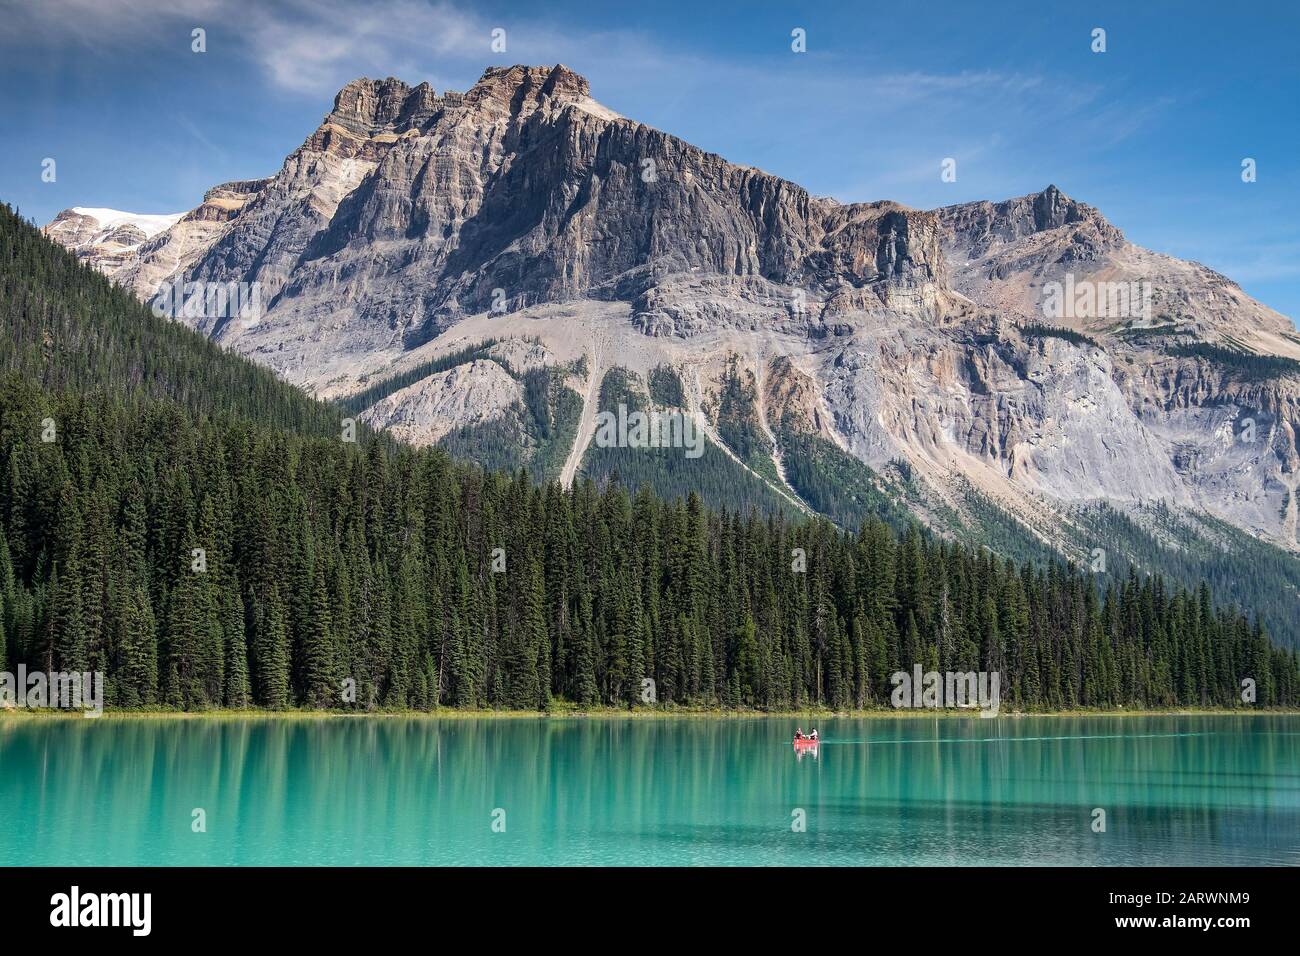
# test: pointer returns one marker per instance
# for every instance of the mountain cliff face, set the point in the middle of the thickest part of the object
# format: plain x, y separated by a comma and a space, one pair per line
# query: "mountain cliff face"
1022, 353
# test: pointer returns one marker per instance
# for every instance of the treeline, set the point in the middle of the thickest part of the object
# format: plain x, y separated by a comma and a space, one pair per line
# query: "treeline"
1043, 331
1240, 362
204, 563
360, 401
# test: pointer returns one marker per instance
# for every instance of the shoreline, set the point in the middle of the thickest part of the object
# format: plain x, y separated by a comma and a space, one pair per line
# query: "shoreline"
616, 713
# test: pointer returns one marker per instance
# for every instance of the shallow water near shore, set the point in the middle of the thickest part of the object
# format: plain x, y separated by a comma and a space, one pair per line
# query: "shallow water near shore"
1176, 790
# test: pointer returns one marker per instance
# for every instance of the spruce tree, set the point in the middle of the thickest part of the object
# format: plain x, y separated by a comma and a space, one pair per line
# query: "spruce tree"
139, 664
237, 691
272, 642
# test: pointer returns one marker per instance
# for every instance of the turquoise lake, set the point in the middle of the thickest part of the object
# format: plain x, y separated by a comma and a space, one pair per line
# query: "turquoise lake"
1181, 790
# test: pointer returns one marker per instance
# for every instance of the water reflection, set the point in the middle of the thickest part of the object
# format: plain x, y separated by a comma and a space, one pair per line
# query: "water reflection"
387, 791
805, 748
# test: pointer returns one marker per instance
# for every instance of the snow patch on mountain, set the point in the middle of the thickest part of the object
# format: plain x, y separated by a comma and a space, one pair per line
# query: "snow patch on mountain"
110, 219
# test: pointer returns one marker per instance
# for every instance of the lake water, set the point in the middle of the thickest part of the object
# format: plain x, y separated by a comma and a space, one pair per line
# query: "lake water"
383, 791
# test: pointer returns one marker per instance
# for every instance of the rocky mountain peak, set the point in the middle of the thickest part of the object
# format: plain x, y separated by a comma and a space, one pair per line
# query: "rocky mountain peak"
1013, 219
542, 81
1052, 209
520, 90
367, 107
999, 251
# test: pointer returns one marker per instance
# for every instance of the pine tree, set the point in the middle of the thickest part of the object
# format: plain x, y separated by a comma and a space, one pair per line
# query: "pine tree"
138, 682
272, 643
319, 687
237, 693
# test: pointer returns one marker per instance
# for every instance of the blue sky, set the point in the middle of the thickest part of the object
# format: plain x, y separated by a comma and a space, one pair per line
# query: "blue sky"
1152, 132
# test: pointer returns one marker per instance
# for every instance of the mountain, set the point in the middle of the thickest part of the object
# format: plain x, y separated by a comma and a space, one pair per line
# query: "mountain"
188, 525
107, 239
1016, 373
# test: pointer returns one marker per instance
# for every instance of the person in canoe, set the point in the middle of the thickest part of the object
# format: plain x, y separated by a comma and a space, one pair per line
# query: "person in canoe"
798, 733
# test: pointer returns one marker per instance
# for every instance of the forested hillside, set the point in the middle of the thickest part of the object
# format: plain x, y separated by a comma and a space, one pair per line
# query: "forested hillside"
324, 561
66, 326
713, 475
179, 518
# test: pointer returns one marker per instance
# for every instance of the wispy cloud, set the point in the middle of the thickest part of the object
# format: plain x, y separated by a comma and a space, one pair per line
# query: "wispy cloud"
103, 24
310, 48
314, 46
303, 46
187, 124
